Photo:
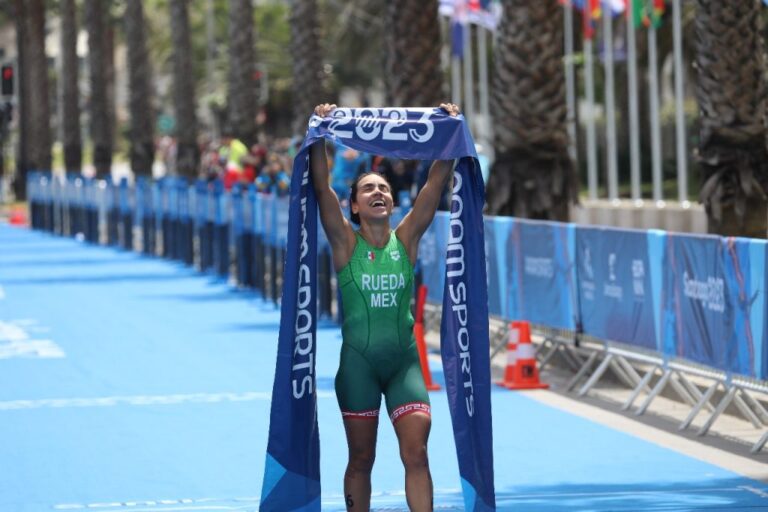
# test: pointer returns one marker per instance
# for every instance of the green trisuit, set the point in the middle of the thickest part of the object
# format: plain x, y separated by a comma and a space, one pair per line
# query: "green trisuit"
378, 353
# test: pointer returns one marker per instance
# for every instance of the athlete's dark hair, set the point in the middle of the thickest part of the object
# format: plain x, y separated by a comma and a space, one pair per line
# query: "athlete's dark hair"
354, 217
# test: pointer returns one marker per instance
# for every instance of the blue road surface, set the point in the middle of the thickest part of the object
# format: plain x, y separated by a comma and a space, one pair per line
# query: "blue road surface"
136, 384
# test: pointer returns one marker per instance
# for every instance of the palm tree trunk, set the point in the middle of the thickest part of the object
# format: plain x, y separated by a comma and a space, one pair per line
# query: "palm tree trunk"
188, 153
22, 77
140, 92
101, 127
39, 108
308, 76
242, 58
731, 91
414, 77
533, 175
70, 94
109, 67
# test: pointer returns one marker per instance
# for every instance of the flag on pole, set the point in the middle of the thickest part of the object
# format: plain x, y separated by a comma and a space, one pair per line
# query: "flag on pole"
485, 13
647, 12
656, 12
636, 8
458, 22
590, 12
616, 6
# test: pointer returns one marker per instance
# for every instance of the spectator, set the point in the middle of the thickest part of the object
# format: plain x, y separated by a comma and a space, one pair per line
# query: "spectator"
274, 179
347, 164
399, 174
234, 169
253, 164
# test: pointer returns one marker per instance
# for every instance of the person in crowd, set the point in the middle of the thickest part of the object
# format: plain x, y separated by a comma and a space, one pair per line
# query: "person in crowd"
253, 164
234, 169
347, 165
378, 354
399, 173
274, 179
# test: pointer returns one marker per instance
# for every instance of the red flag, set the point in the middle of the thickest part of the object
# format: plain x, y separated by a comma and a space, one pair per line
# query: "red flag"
590, 12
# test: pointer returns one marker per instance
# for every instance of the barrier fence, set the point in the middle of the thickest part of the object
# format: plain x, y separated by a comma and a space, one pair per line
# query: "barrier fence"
656, 307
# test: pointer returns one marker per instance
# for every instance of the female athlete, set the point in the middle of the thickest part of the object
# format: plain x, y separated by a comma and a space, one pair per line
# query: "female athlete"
374, 265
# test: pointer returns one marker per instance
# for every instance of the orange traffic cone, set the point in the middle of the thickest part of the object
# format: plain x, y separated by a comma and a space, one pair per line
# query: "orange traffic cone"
521, 371
18, 217
421, 345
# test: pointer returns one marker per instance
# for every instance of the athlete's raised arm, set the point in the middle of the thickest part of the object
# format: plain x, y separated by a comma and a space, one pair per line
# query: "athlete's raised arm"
339, 232
419, 218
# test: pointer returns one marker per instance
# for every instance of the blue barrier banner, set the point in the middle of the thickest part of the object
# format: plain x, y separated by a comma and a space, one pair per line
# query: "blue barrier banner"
699, 309
542, 273
268, 211
431, 262
500, 285
759, 278
292, 474
282, 207
745, 274
238, 212
615, 286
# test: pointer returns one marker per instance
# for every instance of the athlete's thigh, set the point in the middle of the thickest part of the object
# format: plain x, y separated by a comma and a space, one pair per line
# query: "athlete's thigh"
358, 390
406, 392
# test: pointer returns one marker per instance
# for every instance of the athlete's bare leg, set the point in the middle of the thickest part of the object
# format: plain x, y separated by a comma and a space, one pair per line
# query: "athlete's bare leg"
412, 433
361, 440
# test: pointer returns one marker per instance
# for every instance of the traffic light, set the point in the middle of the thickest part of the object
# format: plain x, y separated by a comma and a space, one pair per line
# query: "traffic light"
7, 76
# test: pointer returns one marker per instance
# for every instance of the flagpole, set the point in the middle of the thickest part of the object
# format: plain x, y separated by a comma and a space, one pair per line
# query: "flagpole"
634, 111
682, 157
455, 79
653, 83
570, 82
610, 106
589, 85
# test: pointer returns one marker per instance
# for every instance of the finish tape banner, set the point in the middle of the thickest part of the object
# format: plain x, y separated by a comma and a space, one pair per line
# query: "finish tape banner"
292, 473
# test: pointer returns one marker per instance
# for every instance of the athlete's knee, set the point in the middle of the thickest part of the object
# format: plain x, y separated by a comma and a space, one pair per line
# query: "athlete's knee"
361, 460
414, 456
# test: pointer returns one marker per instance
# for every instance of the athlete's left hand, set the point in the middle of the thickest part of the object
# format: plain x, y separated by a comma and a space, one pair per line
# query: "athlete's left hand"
451, 108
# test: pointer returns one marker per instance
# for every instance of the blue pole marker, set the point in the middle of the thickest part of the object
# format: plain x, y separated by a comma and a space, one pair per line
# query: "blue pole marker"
292, 473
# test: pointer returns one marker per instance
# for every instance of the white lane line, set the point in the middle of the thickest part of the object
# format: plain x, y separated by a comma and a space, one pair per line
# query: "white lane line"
166, 504
111, 401
334, 500
16, 341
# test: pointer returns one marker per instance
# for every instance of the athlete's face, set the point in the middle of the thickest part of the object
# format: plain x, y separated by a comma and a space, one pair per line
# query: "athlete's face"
374, 198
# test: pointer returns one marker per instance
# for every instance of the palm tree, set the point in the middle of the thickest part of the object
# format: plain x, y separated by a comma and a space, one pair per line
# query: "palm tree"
308, 76
140, 94
188, 154
413, 76
731, 92
533, 176
242, 58
39, 114
22, 157
70, 94
101, 126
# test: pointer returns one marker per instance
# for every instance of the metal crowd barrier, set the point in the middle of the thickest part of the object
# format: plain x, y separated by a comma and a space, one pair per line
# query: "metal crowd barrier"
659, 309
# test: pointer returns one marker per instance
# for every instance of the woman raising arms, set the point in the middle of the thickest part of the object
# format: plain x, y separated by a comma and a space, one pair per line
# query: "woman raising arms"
378, 356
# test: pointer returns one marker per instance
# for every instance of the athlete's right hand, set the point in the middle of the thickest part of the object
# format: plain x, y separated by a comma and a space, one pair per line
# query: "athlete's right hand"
324, 109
